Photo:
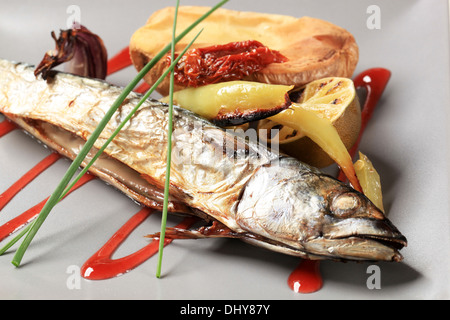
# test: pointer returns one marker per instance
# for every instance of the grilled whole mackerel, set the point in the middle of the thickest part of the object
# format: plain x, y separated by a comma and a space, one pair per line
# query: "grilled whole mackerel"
245, 189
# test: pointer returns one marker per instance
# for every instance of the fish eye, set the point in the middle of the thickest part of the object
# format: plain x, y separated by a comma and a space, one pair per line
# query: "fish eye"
345, 205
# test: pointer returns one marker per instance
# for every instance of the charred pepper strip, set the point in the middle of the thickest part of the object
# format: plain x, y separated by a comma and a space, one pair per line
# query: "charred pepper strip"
234, 102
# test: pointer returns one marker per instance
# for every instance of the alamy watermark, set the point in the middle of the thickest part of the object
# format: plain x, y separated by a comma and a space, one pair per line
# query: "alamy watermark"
374, 278
374, 20
74, 19
73, 281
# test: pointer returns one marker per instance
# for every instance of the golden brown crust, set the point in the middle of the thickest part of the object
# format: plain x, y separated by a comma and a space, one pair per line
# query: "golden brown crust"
315, 48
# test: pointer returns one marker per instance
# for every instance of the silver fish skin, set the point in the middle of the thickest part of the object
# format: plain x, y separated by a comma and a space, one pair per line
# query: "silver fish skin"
255, 194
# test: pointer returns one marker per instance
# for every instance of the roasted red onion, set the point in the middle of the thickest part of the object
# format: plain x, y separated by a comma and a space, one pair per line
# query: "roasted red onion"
83, 50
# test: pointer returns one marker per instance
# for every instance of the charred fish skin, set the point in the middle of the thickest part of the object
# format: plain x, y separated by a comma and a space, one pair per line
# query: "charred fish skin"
270, 200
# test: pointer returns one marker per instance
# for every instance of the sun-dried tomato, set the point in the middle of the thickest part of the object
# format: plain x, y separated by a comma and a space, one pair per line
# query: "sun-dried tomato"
218, 63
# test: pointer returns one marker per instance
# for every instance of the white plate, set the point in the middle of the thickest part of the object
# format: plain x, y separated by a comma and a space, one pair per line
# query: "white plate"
408, 141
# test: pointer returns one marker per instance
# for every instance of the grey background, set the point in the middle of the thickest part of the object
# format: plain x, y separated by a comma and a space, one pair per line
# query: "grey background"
408, 141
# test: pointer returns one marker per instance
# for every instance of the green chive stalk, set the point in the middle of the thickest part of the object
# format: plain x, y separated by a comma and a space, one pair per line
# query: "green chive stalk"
169, 152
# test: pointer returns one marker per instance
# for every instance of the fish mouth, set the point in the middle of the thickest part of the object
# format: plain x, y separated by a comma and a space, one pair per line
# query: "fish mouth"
398, 243
385, 249
360, 239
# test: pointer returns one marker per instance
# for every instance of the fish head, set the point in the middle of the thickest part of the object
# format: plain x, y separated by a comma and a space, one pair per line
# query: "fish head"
354, 228
316, 216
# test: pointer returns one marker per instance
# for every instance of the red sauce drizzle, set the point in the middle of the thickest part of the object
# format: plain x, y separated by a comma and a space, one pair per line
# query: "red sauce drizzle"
6, 196
6, 126
120, 61
142, 88
100, 266
18, 222
374, 81
306, 278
